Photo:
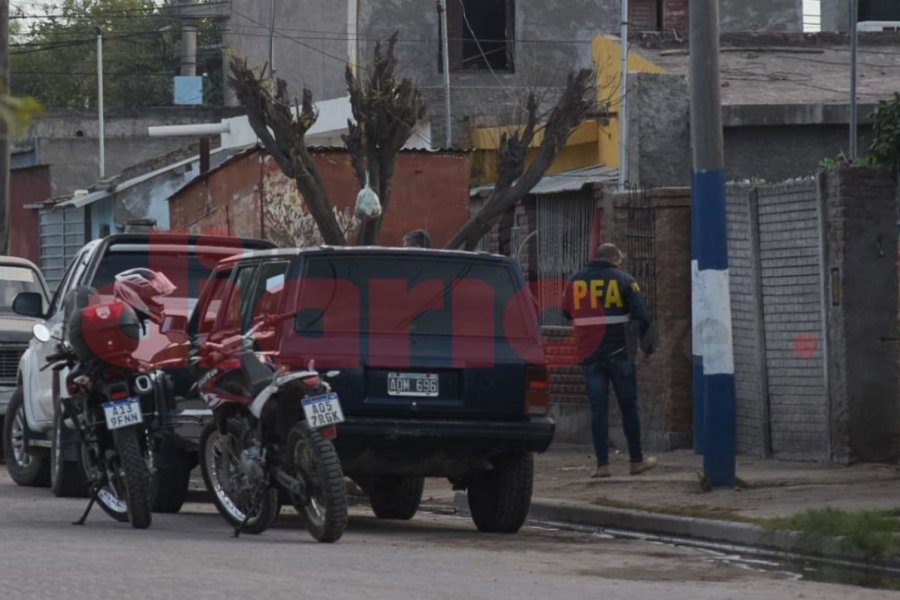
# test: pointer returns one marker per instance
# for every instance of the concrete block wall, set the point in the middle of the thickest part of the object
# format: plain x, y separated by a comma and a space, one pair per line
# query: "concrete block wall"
751, 427
790, 258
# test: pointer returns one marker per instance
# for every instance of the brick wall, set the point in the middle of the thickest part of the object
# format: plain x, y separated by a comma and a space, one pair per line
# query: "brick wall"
664, 385
643, 15
429, 190
861, 240
675, 15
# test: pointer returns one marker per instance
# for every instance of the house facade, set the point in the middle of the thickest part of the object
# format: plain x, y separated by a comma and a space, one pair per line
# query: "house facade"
497, 49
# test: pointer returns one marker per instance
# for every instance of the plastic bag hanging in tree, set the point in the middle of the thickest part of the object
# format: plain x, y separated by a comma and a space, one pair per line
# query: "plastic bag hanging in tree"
368, 206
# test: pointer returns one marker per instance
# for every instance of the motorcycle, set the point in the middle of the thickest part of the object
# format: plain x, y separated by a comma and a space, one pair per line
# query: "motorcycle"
270, 438
106, 404
116, 403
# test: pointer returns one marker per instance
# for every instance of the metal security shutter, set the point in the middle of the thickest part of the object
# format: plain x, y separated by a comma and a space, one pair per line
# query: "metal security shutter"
62, 236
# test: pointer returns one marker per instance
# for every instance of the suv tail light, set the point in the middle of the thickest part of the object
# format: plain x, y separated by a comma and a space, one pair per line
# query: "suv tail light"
537, 391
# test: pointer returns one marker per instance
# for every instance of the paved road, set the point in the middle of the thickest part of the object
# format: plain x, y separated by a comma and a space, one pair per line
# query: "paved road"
191, 555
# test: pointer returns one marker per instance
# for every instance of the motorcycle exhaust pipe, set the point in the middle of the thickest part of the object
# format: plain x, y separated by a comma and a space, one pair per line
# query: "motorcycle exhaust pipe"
143, 385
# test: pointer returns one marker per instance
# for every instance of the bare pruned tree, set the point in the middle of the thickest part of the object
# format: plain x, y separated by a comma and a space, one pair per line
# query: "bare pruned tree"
514, 180
385, 112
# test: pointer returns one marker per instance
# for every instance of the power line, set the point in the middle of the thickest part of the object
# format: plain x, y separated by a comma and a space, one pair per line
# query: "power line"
123, 13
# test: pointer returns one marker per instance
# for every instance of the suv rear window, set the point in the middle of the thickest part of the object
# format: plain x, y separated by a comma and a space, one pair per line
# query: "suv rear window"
424, 297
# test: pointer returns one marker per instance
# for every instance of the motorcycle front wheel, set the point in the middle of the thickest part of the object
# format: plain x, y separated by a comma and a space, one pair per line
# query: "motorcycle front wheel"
234, 494
315, 461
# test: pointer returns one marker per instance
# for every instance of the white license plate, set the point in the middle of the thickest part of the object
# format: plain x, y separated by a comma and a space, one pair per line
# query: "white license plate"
122, 413
322, 411
413, 384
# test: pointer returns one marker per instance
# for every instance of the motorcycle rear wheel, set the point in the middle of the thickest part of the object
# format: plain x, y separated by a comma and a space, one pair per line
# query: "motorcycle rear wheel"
109, 499
315, 461
132, 471
220, 465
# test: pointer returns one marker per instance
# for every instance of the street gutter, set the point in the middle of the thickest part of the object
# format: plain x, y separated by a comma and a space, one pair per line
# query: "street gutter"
720, 535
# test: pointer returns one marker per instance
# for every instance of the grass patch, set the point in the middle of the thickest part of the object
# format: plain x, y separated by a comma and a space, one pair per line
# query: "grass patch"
872, 533
702, 511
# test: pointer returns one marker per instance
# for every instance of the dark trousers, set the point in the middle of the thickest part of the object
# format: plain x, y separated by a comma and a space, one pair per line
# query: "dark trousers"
620, 370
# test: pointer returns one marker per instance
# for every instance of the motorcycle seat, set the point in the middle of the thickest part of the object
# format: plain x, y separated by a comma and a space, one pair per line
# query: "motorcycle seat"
257, 374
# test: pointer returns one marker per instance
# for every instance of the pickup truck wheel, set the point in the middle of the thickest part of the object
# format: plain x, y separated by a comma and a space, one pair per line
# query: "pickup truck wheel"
27, 467
396, 497
67, 478
499, 498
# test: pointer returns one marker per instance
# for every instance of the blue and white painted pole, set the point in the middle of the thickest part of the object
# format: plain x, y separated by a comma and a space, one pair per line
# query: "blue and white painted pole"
696, 352
711, 300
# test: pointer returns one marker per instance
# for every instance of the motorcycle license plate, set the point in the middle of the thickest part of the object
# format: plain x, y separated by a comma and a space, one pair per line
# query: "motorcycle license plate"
122, 413
322, 411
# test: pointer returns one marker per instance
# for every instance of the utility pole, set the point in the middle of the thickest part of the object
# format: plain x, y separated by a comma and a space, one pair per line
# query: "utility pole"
4, 129
623, 101
272, 39
445, 55
854, 78
711, 302
101, 132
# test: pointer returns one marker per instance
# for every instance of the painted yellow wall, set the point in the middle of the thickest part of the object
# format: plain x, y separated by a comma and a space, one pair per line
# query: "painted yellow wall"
593, 142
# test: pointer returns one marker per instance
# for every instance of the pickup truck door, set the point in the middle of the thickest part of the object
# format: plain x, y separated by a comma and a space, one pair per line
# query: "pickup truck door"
38, 385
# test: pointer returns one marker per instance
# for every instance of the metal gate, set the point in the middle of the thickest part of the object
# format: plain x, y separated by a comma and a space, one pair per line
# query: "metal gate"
564, 226
61, 236
639, 254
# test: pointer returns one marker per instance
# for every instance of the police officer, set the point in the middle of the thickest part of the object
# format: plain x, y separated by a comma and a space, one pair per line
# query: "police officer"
600, 300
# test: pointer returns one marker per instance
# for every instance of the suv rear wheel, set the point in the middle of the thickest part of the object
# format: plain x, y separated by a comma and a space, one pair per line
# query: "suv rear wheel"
396, 496
499, 498
27, 467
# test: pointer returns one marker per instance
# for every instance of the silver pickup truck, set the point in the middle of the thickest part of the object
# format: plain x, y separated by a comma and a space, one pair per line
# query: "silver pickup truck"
51, 452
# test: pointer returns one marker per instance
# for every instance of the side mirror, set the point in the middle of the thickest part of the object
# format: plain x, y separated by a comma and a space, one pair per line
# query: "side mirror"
29, 304
41, 333
175, 327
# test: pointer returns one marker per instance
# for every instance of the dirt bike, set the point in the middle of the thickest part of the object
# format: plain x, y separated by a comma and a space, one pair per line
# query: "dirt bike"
106, 405
270, 438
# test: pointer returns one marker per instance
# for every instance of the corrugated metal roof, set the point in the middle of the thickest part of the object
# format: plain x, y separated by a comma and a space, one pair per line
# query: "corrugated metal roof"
90, 198
567, 181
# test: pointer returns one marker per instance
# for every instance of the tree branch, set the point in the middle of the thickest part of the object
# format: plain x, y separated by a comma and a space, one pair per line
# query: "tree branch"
514, 181
282, 132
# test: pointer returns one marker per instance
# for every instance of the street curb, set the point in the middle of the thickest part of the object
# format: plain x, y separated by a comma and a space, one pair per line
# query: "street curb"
693, 528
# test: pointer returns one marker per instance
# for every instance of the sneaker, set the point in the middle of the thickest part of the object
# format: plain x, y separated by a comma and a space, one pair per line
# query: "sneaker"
601, 471
645, 465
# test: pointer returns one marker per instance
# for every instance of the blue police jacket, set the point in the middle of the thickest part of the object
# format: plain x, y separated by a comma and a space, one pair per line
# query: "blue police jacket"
600, 300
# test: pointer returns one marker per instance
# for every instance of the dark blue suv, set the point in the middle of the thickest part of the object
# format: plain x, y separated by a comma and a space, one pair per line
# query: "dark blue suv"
442, 366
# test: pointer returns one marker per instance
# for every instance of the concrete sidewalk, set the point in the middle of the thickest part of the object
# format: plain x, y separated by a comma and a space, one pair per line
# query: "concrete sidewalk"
670, 499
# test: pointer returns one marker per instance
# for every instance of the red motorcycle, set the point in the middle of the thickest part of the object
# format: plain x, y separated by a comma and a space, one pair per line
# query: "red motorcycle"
270, 438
